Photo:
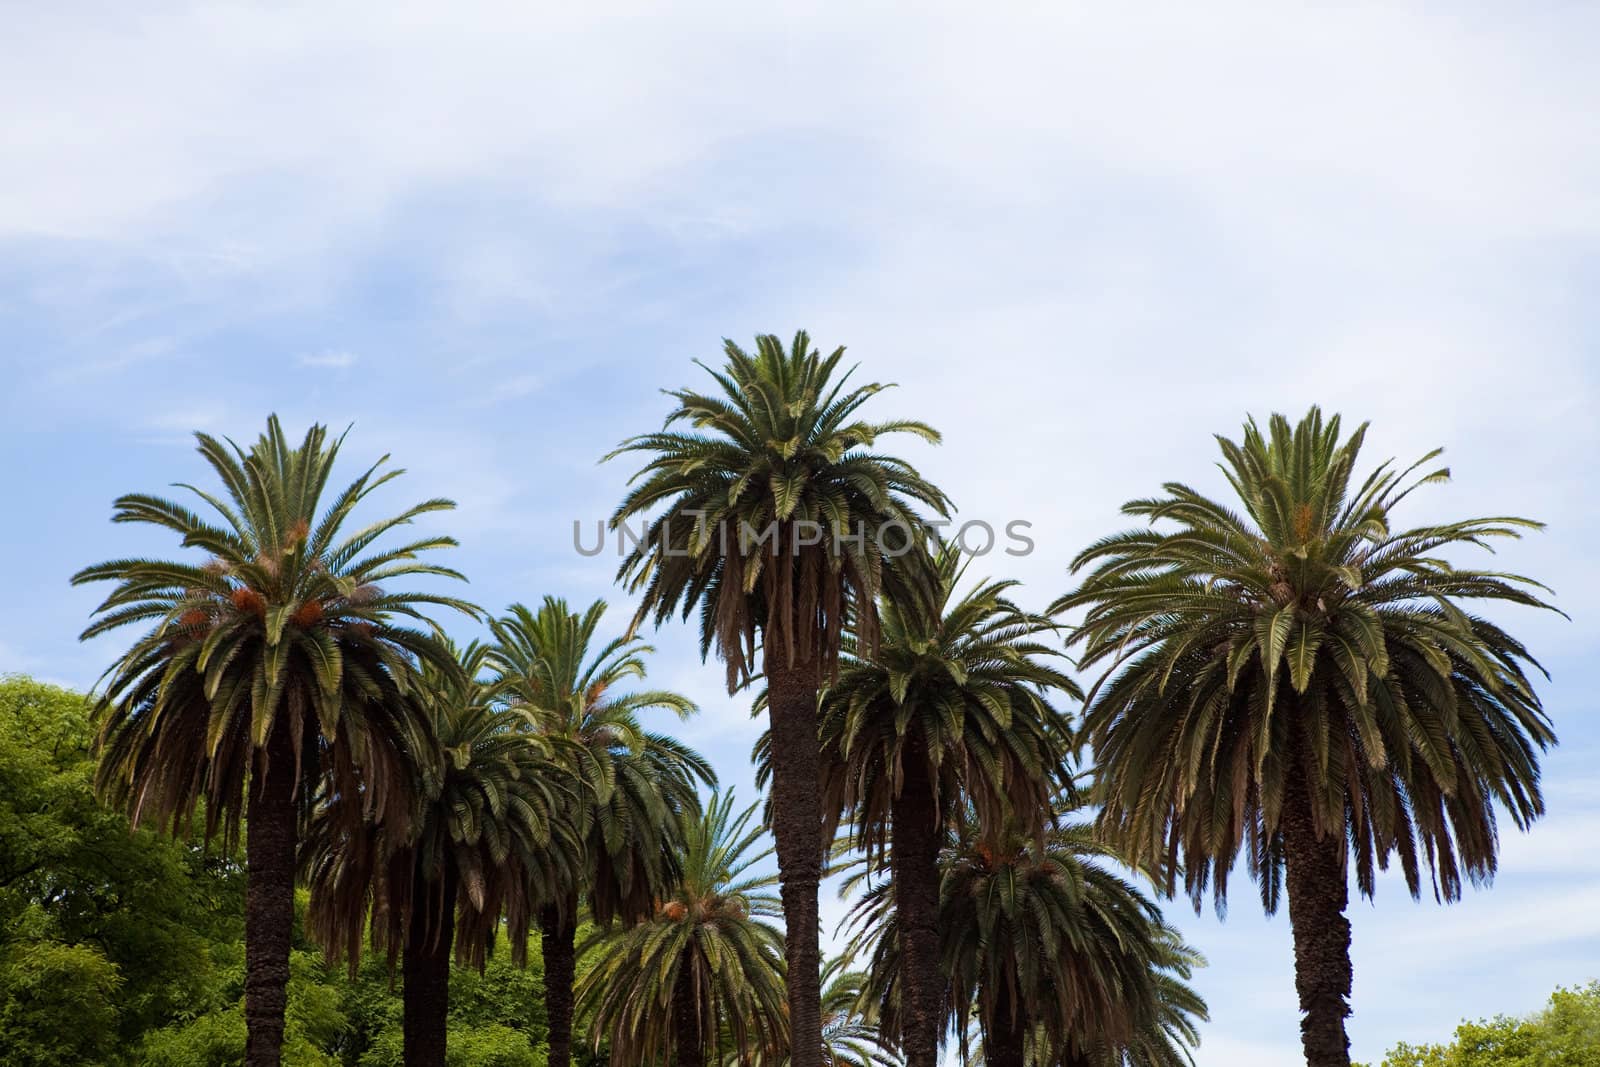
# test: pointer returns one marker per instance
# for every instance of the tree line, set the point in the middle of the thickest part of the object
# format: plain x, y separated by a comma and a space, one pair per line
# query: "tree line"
1287, 677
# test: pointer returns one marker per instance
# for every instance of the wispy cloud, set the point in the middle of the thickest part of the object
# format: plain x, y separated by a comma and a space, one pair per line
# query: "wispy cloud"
330, 359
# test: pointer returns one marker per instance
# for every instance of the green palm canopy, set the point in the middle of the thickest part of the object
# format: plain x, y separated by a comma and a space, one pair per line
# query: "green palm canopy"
956, 698
776, 443
276, 667
1307, 682
704, 964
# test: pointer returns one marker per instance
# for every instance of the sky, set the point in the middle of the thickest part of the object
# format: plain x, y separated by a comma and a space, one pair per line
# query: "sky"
1081, 238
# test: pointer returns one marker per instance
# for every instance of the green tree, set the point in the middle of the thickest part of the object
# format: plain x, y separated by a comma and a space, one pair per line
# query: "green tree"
488, 843
1056, 957
630, 789
951, 709
777, 519
705, 962
1566, 1033
88, 906
1304, 680
57, 1004
275, 668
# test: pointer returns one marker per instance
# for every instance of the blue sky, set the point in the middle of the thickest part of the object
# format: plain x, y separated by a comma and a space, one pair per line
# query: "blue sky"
1081, 242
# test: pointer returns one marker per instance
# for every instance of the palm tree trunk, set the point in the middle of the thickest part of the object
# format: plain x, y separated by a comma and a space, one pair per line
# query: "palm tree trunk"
427, 971
558, 932
271, 830
914, 825
686, 1021
1005, 1039
1319, 893
797, 832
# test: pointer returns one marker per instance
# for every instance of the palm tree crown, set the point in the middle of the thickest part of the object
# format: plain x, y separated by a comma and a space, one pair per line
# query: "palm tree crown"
962, 690
630, 786
286, 623
777, 449
706, 959
1307, 637
488, 845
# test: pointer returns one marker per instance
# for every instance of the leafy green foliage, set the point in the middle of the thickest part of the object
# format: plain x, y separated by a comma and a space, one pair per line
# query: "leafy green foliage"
89, 906
1565, 1034
122, 946
57, 1004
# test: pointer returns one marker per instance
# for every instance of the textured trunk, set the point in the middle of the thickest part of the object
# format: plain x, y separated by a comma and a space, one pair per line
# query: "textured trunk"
914, 819
271, 828
558, 930
686, 1022
1318, 896
1005, 1038
427, 972
797, 831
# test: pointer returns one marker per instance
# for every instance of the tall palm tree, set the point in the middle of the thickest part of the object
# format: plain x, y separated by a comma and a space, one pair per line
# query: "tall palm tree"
1056, 957
1304, 679
704, 962
631, 790
777, 519
487, 845
951, 709
275, 670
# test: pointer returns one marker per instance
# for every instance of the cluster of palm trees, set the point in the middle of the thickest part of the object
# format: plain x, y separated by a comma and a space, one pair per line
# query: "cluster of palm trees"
1291, 677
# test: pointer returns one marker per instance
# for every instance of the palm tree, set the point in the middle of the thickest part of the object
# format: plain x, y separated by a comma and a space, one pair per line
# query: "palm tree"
1304, 680
631, 790
704, 961
487, 845
274, 671
951, 709
1056, 957
778, 519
